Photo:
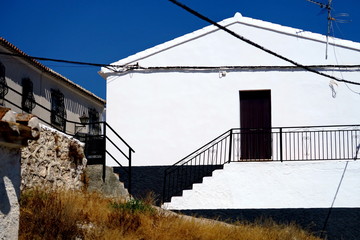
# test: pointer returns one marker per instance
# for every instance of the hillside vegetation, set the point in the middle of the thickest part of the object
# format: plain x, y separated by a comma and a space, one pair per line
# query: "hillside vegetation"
78, 215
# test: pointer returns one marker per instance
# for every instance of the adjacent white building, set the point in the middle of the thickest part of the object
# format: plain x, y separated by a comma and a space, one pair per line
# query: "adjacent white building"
28, 86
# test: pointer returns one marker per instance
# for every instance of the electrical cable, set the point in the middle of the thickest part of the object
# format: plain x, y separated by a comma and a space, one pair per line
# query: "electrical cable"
333, 202
59, 60
263, 67
137, 66
336, 58
257, 45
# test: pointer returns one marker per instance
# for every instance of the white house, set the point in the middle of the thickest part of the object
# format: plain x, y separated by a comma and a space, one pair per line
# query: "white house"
231, 102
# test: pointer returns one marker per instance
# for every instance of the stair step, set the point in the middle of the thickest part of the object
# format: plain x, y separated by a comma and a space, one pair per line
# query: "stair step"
205, 181
205, 176
174, 199
188, 187
198, 181
197, 188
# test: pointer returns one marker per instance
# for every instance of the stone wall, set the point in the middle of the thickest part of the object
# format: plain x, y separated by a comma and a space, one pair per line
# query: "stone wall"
38, 156
54, 160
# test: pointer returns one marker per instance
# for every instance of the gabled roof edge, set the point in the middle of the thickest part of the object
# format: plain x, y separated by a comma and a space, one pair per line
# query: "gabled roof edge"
238, 18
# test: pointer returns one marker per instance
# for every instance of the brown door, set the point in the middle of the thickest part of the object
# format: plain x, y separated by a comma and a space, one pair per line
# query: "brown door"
255, 122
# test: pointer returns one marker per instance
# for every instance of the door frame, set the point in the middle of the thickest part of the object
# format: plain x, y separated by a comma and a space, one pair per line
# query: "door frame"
256, 143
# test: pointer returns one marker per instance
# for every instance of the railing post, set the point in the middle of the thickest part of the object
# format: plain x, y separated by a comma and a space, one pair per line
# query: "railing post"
104, 152
281, 146
129, 188
164, 187
65, 122
230, 145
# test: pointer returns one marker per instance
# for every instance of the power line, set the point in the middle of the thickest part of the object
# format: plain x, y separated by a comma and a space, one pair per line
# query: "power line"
256, 67
59, 60
137, 66
197, 14
337, 62
333, 202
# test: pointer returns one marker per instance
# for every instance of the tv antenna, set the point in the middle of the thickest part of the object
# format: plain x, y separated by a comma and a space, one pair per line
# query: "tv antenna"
328, 7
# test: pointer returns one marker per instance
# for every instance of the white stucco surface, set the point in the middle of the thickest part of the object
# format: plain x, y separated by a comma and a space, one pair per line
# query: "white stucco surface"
9, 193
166, 114
275, 185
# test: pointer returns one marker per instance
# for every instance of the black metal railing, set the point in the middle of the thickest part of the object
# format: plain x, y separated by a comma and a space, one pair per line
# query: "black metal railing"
315, 143
196, 165
113, 150
98, 145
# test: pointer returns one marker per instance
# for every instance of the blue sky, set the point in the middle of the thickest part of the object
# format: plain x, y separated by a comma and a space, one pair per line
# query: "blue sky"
109, 30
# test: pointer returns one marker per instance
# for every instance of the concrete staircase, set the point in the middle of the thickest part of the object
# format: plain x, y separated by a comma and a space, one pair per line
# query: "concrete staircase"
274, 185
198, 189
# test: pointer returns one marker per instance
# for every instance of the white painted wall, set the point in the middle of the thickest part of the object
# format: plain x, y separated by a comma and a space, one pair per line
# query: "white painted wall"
9, 192
278, 185
165, 115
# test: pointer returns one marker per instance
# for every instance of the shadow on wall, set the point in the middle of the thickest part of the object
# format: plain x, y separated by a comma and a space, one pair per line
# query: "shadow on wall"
5, 205
9, 179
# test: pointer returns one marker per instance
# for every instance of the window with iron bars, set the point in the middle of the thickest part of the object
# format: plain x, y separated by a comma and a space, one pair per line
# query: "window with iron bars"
58, 111
3, 85
94, 118
28, 101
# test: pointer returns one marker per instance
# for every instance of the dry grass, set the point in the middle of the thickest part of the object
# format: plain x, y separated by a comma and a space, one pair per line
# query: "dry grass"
78, 215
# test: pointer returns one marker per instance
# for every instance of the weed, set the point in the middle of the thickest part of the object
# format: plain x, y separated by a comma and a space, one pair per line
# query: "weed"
49, 217
133, 206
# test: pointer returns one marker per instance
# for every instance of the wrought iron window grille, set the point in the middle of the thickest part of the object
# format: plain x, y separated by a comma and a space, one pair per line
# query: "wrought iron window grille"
28, 100
4, 89
94, 118
58, 111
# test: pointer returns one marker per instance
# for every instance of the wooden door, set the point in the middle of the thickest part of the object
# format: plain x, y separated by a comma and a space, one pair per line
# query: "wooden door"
255, 123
